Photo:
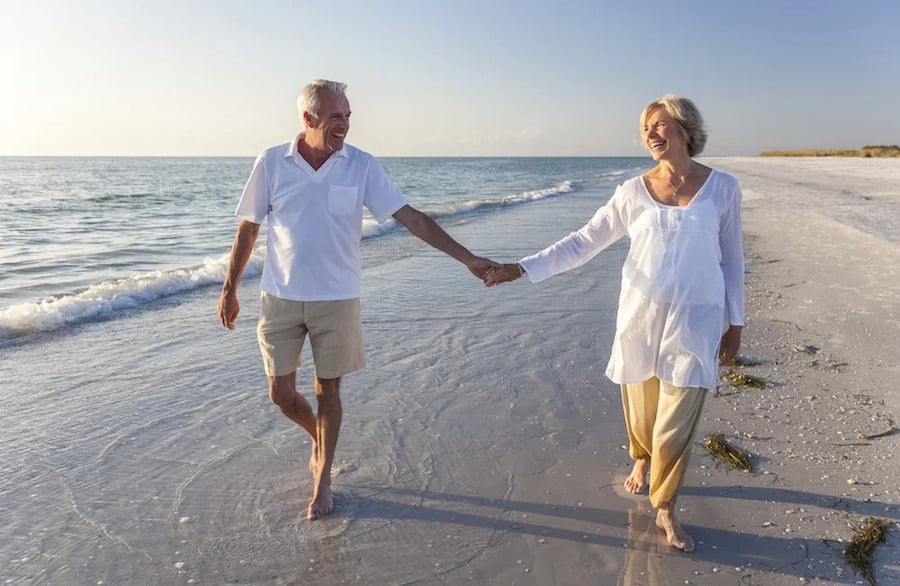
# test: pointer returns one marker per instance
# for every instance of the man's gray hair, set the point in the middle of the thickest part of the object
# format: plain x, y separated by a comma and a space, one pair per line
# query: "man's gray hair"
686, 114
308, 100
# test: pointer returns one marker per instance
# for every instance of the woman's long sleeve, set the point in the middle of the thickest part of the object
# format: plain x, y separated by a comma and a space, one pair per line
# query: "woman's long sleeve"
604, 228
730, 242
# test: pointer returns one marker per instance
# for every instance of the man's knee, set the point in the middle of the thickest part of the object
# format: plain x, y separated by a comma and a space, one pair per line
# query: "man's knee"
328, 388
281, 390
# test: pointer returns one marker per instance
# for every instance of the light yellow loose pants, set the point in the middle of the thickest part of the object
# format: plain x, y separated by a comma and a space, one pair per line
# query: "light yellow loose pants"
661, 421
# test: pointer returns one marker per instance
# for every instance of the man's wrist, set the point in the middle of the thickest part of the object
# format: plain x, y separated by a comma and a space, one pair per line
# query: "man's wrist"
521, 269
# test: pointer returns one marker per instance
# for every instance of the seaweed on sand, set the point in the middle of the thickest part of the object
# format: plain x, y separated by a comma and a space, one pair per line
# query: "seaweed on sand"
740, 379
716, 445
859, 553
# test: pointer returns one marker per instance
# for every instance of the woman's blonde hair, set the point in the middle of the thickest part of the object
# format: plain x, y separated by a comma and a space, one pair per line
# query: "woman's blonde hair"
686, 114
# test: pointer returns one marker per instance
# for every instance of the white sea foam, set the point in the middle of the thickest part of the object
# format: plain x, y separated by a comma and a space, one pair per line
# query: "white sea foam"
105, 299
371, 227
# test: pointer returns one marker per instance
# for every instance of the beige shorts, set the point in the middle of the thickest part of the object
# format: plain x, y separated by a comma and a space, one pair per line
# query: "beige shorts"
334, 328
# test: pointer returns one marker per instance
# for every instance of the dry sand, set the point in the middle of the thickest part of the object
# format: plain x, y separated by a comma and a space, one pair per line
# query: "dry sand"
823, 292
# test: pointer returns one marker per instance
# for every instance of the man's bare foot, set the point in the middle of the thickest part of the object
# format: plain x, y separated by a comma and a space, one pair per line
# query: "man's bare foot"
675, 533
322, 504
636, 483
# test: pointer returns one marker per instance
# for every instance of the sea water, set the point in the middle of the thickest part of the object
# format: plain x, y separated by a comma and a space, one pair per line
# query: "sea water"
87, 239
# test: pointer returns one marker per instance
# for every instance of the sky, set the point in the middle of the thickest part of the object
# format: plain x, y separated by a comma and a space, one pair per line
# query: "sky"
444, 77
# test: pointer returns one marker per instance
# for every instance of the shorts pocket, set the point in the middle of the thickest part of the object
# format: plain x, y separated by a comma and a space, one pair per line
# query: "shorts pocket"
342, 200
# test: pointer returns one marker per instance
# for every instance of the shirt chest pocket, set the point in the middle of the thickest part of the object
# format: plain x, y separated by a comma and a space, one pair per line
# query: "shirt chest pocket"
342, 200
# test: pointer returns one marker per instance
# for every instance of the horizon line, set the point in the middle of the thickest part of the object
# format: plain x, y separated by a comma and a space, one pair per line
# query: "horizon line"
132, 156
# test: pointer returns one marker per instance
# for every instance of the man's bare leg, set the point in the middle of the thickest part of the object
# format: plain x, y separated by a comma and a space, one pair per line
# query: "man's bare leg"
328, 426
675, 533
636, 483
283, 392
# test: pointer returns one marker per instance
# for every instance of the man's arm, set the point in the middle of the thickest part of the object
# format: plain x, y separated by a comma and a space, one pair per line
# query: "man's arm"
430, 232
241, 250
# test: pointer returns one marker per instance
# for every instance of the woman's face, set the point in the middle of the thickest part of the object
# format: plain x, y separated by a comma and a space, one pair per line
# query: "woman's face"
663, 136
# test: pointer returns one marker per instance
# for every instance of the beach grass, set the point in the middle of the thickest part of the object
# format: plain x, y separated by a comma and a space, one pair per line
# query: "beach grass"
866, 152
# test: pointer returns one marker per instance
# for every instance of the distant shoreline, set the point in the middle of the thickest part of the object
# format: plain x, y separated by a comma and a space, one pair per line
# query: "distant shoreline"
866, 152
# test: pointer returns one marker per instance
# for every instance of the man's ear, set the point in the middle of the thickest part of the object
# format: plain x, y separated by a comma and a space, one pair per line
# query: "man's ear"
308, 120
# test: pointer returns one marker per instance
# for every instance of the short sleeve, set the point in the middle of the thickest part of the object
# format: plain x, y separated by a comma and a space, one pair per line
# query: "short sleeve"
381, 197
254, 203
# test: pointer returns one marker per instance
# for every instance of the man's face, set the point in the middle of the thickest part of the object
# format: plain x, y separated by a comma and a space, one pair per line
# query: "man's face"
328, 130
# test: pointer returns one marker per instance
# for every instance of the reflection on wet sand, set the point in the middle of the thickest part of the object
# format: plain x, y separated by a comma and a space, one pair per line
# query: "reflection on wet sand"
645, 550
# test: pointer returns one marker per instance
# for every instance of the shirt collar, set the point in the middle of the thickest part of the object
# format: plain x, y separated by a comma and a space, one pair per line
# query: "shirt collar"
292, 150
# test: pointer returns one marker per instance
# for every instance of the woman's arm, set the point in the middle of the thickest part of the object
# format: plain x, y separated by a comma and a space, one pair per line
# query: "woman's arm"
605, 227
731, 245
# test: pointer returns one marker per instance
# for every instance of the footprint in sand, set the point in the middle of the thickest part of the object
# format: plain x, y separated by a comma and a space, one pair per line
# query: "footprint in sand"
618, 486
338, 469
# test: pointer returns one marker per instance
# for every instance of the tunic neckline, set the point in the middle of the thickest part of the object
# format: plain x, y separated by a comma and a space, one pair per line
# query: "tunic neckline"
667, 206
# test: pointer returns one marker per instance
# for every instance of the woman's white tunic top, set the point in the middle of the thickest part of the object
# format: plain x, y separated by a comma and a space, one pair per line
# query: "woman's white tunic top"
682, 281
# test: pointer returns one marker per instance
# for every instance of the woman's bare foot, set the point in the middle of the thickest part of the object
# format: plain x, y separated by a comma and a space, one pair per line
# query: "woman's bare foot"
322, 504
675, 533
636, 483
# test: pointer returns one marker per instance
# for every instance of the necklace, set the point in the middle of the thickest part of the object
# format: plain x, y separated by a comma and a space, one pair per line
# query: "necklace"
675, 189
680, 185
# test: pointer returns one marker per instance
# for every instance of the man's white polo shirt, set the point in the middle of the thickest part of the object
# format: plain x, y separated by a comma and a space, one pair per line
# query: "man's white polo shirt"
315, 219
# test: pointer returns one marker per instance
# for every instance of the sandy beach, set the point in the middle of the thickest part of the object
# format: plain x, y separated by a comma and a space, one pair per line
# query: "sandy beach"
482, 444
823, 293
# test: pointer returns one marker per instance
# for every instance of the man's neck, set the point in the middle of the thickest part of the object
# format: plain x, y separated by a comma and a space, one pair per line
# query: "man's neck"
316, 157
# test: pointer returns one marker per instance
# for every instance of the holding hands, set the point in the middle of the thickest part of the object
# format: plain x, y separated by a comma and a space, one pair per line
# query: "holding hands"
480, 266
505, 273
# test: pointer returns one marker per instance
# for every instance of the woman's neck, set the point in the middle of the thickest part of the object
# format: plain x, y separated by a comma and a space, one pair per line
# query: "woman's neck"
680, 169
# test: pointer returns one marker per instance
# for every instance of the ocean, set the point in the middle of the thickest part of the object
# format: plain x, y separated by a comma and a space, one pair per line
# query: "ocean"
137, 442
91, 239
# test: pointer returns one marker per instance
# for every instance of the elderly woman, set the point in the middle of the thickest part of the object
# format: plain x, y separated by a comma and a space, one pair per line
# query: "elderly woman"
681, 306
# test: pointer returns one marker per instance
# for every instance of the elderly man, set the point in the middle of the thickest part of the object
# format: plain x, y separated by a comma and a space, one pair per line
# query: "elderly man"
312, 191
